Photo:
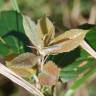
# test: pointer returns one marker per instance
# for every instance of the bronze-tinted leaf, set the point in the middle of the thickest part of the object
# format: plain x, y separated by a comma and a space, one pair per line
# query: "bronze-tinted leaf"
50, 74
25, 60
10, 57
66, 41
23, 64
51, 68
46, 79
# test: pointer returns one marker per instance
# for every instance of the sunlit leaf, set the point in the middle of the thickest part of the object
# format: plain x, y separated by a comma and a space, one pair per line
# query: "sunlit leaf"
47, 29
31, 31
66, 41
25, 60
43, 38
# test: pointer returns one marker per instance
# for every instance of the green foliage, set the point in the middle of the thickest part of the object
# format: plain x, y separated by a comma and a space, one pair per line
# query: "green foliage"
11, 24
80, 81
15, 5
1, 2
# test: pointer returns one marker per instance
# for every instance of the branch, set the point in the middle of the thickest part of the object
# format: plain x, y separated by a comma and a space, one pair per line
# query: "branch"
18, 80
87, 48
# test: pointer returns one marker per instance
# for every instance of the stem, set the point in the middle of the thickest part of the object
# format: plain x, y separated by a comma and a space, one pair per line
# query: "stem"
87, 48
15, 5
37, 82
42, 64
92, 16
18, 80
76, 10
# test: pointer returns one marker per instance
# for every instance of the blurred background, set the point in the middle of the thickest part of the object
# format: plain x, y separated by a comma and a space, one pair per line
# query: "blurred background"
65, 14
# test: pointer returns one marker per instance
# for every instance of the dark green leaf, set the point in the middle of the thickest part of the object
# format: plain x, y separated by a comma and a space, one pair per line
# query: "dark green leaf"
10, 21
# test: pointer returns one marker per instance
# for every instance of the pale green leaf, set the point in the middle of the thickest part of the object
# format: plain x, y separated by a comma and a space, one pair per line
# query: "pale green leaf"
47, 29
31, 32
66, 42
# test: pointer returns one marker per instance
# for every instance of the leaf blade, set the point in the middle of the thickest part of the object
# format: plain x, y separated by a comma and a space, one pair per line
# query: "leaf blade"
31, 32
71, 40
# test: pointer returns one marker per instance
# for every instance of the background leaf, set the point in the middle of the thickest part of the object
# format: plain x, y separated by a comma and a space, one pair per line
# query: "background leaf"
10, 28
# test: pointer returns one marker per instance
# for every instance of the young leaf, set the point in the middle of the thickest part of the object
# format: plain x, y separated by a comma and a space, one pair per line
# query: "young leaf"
50, 74
51, 68
25, 60
22, 64
49, 45
47, 29
66, 41
32, 33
